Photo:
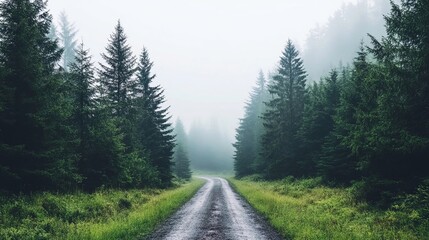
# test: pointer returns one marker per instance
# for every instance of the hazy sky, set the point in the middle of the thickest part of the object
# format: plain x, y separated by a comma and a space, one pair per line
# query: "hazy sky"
207, 53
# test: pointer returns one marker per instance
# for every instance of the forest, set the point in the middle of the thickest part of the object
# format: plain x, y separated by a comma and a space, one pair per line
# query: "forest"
107, 145
67, 123
364, 125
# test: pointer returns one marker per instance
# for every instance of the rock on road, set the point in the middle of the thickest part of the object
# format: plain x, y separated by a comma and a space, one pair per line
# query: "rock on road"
215, 212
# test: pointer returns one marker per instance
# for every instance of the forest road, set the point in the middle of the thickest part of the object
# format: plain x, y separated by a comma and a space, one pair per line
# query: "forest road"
216, 212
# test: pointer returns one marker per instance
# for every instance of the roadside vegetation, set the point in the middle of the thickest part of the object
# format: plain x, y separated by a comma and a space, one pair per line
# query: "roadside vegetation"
105, 214
307, 209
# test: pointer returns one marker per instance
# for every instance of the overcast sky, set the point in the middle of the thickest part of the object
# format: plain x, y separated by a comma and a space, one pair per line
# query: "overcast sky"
207, 53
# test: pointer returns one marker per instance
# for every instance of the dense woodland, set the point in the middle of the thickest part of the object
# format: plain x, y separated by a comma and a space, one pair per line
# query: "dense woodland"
67, 123
366, 124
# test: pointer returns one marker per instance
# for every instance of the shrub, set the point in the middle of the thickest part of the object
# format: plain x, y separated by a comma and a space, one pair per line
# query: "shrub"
124, 204
53, 207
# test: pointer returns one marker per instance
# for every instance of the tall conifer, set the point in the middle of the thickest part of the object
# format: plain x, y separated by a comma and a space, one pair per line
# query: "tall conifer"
284, 115
154, 128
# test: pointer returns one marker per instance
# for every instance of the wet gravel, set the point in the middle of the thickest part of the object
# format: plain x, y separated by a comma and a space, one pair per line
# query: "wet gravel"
216, 212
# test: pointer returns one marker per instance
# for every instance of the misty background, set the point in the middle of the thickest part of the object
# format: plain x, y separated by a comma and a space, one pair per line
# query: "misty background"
208, 54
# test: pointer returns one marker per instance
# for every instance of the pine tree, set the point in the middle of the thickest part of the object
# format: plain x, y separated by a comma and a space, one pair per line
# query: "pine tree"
284, 116
116, 74
181, 159
155, 131
249, 132
35, 140
67, 38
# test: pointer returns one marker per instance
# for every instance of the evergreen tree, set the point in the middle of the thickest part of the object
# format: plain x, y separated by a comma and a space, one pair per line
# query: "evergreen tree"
181, 159
336, 162
67, 38
391, 137
133, 164
83, 94
155, 131
116, 74
313, 130
35, 138
284, 116
403, 107
248, 134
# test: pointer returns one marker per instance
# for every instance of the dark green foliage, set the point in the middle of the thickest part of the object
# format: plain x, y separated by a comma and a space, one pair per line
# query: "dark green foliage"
284, 116
393, 140
83, 95
124, 204
403, 106
134, 162
322, 102
367, 124
116, 74
66, 130
154, 129
181, 159
247, 158
101, 148
35, 137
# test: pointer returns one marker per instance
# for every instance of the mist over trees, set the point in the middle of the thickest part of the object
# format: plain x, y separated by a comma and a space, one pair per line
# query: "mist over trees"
67, 37
365, 124
249, 132
209, 148
181, 159
335, 43
67, 124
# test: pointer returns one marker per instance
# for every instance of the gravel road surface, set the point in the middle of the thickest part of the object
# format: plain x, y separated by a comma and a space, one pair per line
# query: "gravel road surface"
216, 212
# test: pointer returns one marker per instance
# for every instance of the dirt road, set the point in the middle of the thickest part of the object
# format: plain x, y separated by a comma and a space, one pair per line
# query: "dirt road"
216, 212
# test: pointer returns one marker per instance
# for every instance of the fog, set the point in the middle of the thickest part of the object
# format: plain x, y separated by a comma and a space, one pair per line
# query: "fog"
207, 54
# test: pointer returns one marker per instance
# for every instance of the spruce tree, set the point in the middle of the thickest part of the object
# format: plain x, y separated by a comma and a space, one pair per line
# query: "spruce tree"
318, 121
249, 132
181, 159
133, 164
339, 160
403, 107
284, 116
391, 138
117, 72
155, 132
83, 94
35, 138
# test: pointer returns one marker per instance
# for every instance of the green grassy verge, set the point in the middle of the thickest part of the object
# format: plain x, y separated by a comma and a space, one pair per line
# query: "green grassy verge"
107, 214
304, 209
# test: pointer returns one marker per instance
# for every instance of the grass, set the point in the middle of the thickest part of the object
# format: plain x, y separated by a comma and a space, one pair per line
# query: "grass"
305, 209
106, 214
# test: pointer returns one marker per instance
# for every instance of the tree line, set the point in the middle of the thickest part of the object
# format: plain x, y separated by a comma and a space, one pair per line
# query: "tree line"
365, 124
67, 124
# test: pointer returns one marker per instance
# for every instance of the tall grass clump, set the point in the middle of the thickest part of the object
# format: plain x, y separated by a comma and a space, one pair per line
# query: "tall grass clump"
105, 214
306, 209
